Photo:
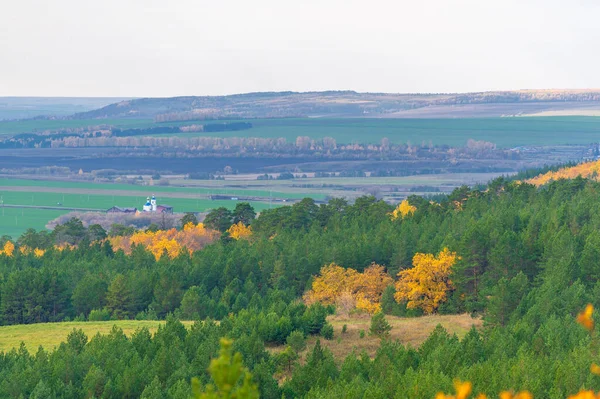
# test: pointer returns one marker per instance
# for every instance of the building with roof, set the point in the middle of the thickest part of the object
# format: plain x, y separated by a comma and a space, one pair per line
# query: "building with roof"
118, 209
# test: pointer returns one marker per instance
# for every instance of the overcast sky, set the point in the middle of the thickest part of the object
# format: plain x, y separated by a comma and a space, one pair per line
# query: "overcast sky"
196, 47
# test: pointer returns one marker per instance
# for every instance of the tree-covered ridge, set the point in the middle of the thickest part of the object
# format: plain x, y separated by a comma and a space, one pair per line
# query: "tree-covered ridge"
526, 261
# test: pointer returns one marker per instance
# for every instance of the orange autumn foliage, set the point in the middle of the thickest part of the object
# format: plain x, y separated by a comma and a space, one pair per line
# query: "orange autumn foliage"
585, 170
425, 285
172, 241
337, 284
239, 230
403, 210
585, 318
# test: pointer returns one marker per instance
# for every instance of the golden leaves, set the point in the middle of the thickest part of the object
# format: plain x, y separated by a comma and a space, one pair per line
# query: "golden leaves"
518, 395
193, 237
348, 288
25, 250
585, 318
9, 249
426, 284
584, 395
403, 210
239, 230
585, 170
463, 391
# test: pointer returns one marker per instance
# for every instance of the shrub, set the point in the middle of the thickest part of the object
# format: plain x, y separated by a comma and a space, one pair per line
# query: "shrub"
296, 341
344, 329
362, 333
327, 331
379, 325
99, 315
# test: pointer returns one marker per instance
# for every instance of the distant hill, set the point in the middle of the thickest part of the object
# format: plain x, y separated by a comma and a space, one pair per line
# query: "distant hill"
353, 104
12, 108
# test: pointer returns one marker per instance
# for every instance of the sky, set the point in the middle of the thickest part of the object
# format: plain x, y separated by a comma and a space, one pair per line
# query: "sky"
163, 48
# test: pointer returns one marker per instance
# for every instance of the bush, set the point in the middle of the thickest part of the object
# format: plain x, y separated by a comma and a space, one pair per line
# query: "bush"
362, 333
344, 329
296, 341
327, 331
379, 325
99, 315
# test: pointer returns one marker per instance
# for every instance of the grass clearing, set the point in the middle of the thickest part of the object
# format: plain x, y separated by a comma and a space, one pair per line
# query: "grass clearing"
50, 335
411, 331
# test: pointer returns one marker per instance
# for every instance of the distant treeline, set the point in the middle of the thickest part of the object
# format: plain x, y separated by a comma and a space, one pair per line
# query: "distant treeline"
215, 127
82, 138
224, 127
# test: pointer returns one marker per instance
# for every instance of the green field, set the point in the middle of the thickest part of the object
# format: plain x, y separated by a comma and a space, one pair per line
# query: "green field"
50, 335
219, 188
14, 221
103, 202
505, 132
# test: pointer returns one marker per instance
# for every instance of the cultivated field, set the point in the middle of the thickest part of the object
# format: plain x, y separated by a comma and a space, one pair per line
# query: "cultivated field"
50, 335
14, 221
505, 132
31, 126
187, 187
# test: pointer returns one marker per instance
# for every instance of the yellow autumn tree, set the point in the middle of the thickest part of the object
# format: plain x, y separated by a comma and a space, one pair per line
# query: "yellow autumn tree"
8, 249
369, 286
403, 210
239, 230
193, 237
348, 288
329, 286
426, 284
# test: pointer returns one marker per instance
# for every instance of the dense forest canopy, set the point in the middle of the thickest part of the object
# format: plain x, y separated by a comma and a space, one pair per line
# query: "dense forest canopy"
524, 258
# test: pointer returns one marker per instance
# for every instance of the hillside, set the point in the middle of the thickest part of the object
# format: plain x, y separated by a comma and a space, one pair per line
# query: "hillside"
12, 108
521, 259
353, 104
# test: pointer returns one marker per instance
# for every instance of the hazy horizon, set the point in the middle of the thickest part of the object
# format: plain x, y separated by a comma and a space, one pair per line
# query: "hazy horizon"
150, 48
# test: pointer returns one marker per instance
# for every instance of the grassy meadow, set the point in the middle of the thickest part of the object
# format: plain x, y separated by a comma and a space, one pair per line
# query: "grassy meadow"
50, 335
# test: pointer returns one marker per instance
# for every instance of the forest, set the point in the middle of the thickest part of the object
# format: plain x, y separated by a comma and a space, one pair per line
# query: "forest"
522, 257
